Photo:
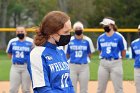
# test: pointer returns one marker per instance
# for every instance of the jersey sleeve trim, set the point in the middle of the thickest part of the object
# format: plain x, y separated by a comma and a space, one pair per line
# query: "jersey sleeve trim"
37, 67
92, 49
9, 43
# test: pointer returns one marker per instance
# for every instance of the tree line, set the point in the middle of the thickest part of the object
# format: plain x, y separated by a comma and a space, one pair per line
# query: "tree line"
30, 12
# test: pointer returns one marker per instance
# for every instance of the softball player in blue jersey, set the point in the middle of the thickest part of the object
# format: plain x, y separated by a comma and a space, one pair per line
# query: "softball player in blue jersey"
79, 51
135, 47
18, 50
48, 65
112, 48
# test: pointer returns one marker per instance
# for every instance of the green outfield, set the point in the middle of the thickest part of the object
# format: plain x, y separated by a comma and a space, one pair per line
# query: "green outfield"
5, 64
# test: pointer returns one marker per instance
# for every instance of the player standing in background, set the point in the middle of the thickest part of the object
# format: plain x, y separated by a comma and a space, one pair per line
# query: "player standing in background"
135, 48
48, 64
18, 50
112, 49
79, 52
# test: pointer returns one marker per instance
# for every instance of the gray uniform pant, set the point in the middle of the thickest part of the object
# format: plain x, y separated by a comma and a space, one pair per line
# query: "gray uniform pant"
110, 70
19, 76
137, 79
80, 73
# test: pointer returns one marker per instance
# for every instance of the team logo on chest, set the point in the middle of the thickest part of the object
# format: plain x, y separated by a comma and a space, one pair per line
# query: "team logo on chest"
14, 44
135, 47
71, 43
115, 39
102, 40
49, 58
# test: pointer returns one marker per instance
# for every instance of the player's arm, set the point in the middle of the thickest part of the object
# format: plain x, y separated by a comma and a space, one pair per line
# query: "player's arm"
99, 52
67, 51
91, 48
90, 55
123, 53
39, 72
98, 46
132, 51
42, 90
68, 56
9, 55
9, 50
122, 45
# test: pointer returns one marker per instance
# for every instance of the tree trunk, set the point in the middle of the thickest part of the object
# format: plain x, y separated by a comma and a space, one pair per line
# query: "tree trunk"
19, 18
3, 16
63, 5
15, 19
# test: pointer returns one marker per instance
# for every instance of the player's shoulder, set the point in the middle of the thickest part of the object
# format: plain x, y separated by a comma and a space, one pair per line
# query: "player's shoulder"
101, 36
29, 39
88, 39
135, 41
119, 34
60, 48
13, 40
37, 50
72, 38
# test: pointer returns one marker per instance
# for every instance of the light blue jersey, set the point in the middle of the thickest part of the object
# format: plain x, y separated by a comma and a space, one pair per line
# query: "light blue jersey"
79, 50
112, 46
20, 50
49, 70
135, 48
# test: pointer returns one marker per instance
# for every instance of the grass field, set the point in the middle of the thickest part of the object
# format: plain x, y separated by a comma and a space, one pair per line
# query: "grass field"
5, 64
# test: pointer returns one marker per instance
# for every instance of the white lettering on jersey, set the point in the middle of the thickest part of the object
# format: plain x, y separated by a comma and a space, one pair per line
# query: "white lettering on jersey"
21, 48
58, 66
109, 44
137, 52
78, 47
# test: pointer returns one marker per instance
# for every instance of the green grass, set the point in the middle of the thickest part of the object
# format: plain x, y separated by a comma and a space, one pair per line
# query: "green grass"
128, 69
5, 64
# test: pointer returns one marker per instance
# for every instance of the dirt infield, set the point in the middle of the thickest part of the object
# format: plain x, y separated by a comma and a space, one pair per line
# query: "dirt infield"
129, 87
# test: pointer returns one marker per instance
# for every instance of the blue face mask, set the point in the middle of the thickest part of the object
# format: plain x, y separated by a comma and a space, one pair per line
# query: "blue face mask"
64, 40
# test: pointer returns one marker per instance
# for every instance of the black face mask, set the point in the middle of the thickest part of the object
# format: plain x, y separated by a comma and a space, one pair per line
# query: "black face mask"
78, 32
20, 36
107, 29
64, 40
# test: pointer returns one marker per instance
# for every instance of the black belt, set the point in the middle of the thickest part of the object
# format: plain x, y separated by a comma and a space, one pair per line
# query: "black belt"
110, 59
18, 63
79, 63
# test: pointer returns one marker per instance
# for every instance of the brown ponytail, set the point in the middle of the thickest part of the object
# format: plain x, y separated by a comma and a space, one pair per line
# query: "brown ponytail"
51, 24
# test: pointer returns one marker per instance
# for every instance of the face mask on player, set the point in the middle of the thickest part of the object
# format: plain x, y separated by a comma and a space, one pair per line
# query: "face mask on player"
107, 29
78, 32
64, 40
20, 36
